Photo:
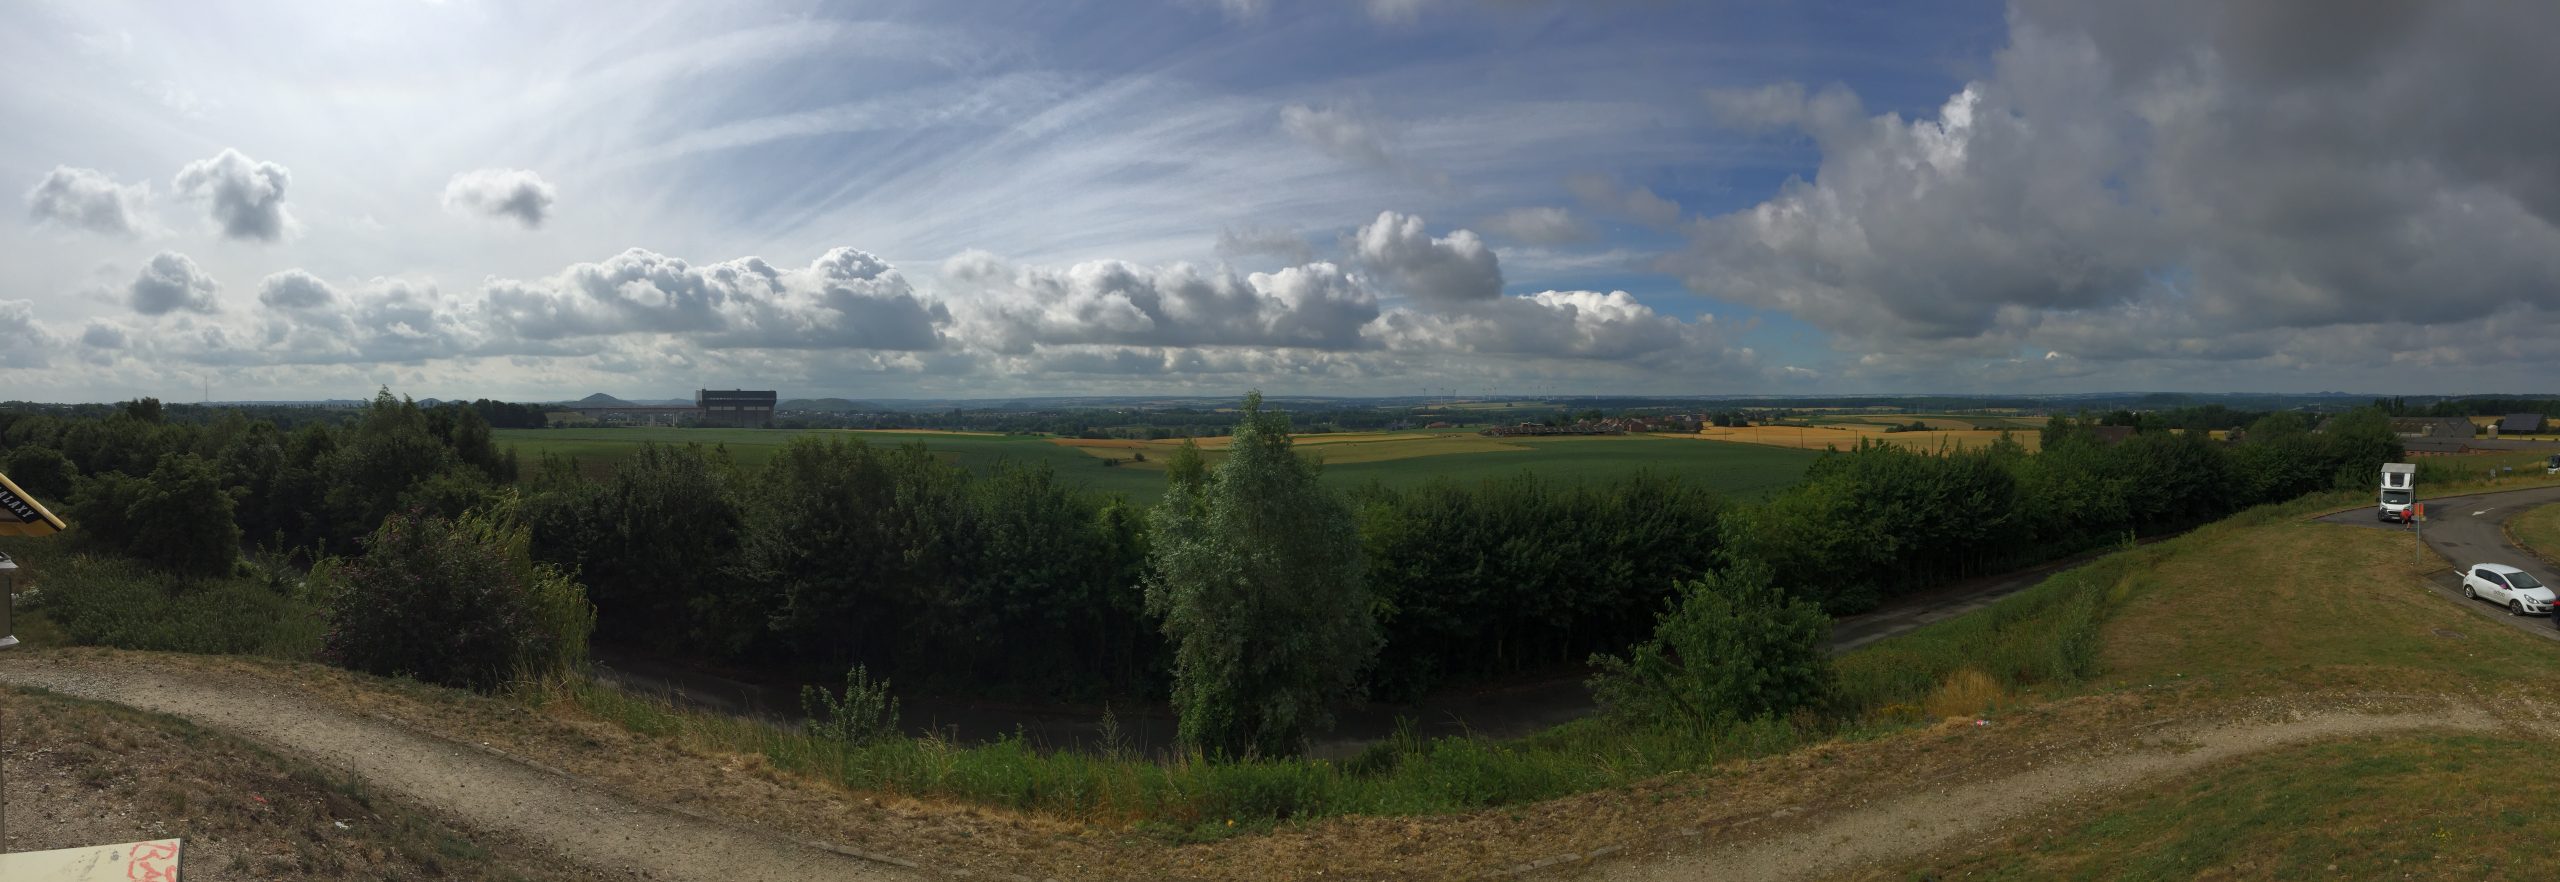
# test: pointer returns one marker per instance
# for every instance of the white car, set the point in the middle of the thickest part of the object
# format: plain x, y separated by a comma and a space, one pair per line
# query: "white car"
2516, 589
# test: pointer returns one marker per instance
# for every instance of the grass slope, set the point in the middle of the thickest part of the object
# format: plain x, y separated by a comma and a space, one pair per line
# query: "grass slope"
2271, 610
2537, 531
2443, 806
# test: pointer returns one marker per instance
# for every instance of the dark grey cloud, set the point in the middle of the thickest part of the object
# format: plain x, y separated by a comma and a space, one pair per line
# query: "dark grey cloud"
2183, 180
501, 193
1450, 269
170, 282
100, 335
88, 199
244, 196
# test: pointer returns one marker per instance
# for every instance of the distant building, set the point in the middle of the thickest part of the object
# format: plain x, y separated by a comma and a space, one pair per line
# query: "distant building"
2436, 446
2432, 427
735, 407
2520, 424
1538, 429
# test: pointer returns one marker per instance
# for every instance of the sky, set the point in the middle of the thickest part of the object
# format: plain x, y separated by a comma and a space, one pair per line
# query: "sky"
534, 201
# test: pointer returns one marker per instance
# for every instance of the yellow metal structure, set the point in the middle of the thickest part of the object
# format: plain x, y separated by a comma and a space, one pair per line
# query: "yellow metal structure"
22, 515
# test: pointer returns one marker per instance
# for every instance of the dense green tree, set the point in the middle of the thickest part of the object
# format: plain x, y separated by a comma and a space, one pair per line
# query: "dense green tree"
845, 543
143, 410
389, 450
1733, 647
43, 471
1511, 573
179, 518
1257, 571
182, 520
459, 602
653, 543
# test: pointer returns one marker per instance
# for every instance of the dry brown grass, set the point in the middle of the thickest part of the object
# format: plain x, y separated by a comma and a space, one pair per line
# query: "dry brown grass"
1966, 693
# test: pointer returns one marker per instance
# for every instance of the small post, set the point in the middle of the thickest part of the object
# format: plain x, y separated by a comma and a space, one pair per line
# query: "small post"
8, 638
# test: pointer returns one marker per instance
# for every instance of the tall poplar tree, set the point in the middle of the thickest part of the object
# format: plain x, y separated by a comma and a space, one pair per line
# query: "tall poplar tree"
1257, 572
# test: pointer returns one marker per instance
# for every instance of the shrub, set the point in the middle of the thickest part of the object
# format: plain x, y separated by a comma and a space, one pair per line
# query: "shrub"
1734, 648
459, 602
179, 518
105, 601
866, 712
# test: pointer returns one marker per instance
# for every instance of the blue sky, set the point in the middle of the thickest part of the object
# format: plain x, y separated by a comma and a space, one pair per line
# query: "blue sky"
1317, 197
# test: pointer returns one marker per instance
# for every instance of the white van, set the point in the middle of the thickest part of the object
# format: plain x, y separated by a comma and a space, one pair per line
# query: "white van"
2399, 491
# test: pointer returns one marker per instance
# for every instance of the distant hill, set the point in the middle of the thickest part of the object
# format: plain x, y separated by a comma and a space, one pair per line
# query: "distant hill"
600, 400
828, 405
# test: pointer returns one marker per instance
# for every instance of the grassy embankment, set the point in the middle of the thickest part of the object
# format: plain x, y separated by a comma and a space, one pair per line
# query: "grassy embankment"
2264, 603
2290, 609
1399, 459
2537, 531
2040, 642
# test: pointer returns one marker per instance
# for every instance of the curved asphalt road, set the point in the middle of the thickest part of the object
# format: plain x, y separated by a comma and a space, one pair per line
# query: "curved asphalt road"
2469, 530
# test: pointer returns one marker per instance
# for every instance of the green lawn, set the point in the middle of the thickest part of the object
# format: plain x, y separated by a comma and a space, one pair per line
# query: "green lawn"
1738, 471
2419, 806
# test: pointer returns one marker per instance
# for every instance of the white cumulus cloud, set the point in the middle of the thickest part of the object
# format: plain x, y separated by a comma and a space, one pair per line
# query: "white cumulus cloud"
88, 199
245, 197
170, 282
296, 289
1447, 269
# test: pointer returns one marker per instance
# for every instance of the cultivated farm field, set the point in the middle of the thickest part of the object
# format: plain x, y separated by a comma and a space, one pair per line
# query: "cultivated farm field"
1352, 459
1845, 435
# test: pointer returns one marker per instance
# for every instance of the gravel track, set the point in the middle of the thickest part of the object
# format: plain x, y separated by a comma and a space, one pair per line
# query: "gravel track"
475, 788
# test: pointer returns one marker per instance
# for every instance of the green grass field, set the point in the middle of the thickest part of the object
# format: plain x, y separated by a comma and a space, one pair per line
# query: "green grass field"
1738, 471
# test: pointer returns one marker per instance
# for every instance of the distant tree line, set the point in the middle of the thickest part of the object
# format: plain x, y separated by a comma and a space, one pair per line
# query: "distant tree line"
2469, 407
132, 479
1879, 521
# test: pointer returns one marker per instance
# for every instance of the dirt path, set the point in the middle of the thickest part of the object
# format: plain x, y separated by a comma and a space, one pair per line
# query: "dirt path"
474, 788
1908, 826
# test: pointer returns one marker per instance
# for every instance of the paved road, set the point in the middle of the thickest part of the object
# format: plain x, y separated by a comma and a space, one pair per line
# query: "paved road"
2470, 530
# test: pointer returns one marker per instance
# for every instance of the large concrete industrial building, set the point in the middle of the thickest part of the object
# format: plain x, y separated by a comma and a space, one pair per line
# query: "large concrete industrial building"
735, 407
